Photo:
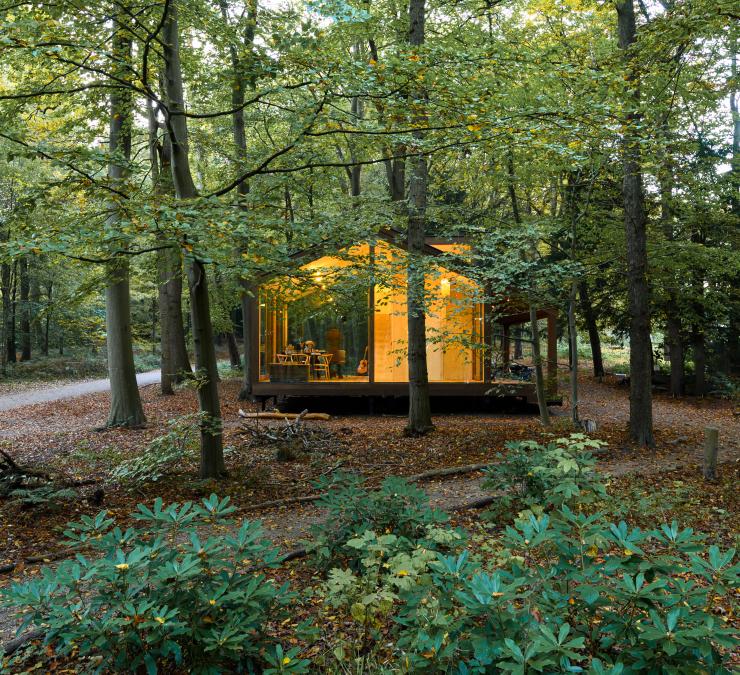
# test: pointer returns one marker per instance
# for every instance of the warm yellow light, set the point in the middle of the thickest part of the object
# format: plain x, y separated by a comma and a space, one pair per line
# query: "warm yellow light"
445, 282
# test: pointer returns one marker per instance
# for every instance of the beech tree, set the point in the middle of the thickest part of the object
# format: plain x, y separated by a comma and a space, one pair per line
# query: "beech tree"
635, 223
211, 445
420, 415
125, 402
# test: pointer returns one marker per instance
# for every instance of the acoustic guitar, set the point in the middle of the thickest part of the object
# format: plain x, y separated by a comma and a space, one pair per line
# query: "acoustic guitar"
362, 366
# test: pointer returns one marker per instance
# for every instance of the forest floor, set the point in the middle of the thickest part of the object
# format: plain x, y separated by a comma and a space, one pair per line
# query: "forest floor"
64, 435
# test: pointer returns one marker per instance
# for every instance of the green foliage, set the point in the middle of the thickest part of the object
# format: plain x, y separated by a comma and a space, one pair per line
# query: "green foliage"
44, 496
159, 595
388, 566
578, 594
532, 476
396, 508
163, 453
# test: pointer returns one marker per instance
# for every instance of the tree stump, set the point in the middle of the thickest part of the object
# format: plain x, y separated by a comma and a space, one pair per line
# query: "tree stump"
711, 445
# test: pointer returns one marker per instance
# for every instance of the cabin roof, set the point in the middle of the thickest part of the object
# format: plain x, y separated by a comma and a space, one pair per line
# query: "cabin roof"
389, 235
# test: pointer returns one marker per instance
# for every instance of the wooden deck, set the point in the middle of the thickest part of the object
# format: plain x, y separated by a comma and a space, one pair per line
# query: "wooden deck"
498, 389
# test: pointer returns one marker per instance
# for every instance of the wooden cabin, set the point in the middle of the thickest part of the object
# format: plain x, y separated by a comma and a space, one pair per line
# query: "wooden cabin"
338, 327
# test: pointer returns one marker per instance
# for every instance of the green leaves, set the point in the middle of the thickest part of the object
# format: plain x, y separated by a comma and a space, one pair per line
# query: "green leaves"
160, 595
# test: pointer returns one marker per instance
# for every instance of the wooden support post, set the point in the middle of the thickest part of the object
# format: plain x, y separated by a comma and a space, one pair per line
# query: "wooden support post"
487, 342
711, 446
505, 346
371, 321
552, 353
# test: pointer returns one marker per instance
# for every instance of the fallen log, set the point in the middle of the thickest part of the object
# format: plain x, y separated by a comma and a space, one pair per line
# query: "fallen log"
33, 559
448, 471
15, 644
414, 478
474, 504
283, 416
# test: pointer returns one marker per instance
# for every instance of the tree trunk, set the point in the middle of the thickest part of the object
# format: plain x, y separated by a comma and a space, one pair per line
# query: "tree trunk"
25, 287
594, 338
34, 307
420, 412
700, 361
573, 342
674, 341
174, 361
235, 358
9, 333
539, 378
211, 440
535, 330
635, 222
241, 79
518, 343
47, 323
733, 337
125, 402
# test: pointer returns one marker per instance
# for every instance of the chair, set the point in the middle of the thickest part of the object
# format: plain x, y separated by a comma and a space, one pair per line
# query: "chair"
301, 359
282, 358
339, 358
322, 365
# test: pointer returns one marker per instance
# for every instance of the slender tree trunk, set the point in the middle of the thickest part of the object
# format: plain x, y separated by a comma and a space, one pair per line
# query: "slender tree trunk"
211, 439
518, 343
589, 316
674, 340
25, 287
235, 358
539, 379
700, 361
635, 222
733, 338
241, 80
34, 307
535, 330
9, 342
13, 336
175, 362
420, 413
48, 312
698, 329
573, 341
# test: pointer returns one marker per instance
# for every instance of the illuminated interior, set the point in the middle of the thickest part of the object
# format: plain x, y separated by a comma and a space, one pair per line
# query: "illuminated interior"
317, 326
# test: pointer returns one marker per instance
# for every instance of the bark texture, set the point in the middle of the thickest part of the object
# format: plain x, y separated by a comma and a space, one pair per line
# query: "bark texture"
211, 439
635, 224
25, 288
125, 402
589, 317
242, 79
175, 362
420, 413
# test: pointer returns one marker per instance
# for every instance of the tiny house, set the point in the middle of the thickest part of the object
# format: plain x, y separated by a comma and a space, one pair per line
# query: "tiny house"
338, 327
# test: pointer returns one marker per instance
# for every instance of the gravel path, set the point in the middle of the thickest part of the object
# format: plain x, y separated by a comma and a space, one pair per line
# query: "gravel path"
33, 396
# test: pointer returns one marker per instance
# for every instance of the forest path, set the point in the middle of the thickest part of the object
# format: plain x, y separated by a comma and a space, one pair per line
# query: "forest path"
47, 394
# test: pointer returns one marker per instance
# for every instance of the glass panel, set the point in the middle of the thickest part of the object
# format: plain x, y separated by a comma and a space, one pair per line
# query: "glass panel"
454, 326
314, 325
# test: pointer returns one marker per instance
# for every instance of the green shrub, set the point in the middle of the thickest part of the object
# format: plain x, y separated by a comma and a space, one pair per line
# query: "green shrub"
578, 595
548, 476
160, 595
46, 497
163, 453
396, 508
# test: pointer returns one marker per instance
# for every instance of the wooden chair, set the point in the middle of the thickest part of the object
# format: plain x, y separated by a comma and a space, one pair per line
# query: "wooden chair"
301, 359
322, 365
282, 358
